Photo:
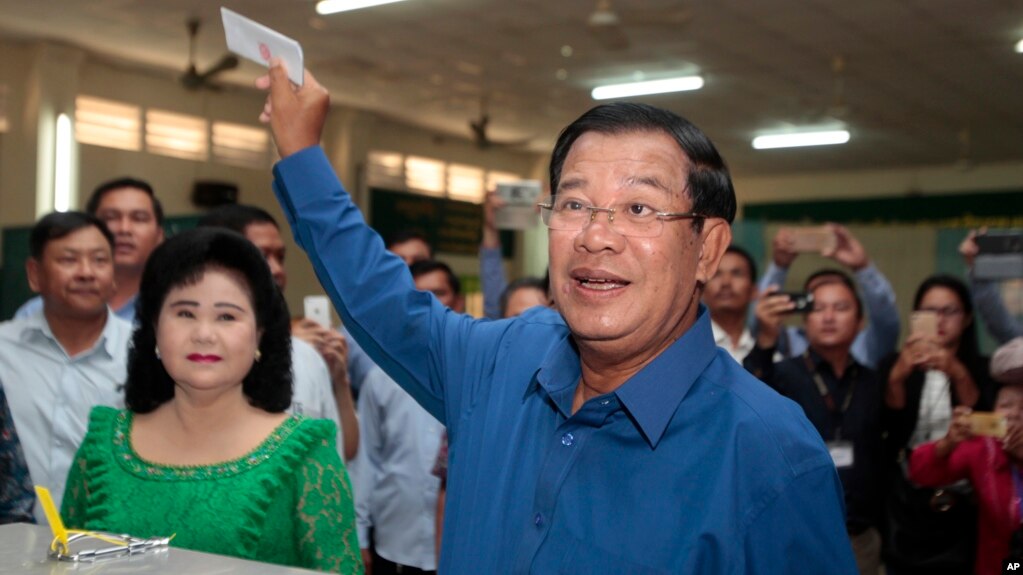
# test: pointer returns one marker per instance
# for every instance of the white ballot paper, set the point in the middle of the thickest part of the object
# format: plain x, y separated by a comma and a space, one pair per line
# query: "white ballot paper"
519, 210
252, 40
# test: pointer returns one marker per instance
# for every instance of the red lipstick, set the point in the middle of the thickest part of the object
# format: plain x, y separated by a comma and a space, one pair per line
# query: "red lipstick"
200, 358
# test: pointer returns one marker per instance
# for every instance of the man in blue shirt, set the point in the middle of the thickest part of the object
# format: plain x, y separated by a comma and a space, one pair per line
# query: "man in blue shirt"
611, 436
881, 334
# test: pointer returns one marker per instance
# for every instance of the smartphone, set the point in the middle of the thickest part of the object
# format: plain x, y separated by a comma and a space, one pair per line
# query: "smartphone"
999, 256
923, 324
1000, 243
317, 308
816, 239
988, 424
802, 300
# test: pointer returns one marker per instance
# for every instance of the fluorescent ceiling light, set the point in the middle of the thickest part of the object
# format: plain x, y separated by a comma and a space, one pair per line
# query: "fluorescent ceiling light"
335, 6
801, 139
62, 165
1019, 47
650, 87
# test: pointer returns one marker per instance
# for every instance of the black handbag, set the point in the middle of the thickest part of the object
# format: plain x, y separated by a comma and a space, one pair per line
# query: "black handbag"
930, 530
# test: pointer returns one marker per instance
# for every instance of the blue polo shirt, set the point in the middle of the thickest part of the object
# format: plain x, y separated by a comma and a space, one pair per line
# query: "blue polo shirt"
691, 466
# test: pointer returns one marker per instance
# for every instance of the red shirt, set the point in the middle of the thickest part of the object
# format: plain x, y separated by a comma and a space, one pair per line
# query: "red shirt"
983, 461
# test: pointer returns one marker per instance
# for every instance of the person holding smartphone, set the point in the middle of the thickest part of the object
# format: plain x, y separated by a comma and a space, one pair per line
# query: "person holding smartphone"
993, 465
841, 397
932, 375
880, 335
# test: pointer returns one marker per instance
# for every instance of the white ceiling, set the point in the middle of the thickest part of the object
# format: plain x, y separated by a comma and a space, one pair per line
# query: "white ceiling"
922, 82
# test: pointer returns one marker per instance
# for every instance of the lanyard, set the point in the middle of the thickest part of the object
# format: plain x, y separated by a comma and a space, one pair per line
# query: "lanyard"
829, 400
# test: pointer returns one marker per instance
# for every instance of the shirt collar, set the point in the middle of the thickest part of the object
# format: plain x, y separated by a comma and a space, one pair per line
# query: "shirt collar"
720, 336
36, 326
653, 395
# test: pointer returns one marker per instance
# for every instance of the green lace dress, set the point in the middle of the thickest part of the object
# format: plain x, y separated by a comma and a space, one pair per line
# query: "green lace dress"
287, 502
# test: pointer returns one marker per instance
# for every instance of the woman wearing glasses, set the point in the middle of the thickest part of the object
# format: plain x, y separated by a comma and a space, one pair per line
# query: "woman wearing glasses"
205, 450
939, 367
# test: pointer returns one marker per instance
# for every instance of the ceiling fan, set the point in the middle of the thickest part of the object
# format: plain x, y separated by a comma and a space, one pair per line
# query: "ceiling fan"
607, 26
478, 129
192, 79
837, 108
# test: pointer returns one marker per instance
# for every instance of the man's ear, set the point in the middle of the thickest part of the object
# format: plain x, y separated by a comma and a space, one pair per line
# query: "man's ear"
717, 236
32, 271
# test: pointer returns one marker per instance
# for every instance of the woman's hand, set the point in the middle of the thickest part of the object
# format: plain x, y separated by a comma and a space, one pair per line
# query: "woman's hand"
958, 431
1012, 443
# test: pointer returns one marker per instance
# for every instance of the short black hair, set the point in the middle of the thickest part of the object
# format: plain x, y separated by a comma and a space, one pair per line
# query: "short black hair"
402, 236
182, 260
424, 267
734, 249
834, 276
528, 282
237, 217
56, 225
969, 349
103, 189
708, 183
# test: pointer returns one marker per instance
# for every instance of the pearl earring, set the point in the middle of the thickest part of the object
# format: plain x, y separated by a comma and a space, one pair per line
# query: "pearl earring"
259, 354
158, 353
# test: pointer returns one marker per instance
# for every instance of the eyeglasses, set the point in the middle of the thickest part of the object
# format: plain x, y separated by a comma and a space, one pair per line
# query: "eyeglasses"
628, 218
948, 311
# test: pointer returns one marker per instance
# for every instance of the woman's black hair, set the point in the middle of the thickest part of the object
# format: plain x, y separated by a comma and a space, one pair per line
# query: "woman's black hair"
182, 260
969, 349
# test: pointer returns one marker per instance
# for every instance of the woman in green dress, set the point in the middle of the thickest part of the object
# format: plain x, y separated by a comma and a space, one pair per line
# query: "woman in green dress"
205, 450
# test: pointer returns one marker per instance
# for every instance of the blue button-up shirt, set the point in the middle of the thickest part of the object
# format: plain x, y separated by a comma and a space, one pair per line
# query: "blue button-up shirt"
691, 466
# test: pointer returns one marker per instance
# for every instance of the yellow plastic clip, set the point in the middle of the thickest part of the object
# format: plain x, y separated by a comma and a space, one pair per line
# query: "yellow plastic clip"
56, 525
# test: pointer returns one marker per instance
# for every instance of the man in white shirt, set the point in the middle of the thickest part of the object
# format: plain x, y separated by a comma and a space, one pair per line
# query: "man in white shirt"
134, 216
728, 295
58, 363
395, 488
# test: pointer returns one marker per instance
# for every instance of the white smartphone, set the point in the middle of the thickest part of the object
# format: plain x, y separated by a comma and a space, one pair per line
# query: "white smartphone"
317, 308
254, 41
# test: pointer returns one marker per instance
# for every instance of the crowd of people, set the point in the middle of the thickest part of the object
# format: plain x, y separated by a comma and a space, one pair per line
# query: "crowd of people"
919, 488
652, 405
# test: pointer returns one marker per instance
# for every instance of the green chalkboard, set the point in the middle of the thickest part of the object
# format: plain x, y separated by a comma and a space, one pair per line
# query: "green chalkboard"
451, 226
997, 209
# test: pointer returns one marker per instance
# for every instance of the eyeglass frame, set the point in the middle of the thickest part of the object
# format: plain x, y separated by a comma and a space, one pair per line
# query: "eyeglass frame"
943, 312
661, 216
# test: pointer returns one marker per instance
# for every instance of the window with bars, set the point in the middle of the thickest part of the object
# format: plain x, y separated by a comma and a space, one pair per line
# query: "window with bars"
240, 145
108, 123
432, 177
177, 135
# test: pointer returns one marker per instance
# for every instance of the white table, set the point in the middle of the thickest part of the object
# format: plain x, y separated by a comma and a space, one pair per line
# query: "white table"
23, 550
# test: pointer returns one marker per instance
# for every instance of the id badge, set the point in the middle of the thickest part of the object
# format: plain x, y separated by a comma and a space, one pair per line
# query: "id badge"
841, 453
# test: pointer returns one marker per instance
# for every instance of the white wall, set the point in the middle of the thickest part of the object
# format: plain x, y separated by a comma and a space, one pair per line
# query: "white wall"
38, 73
